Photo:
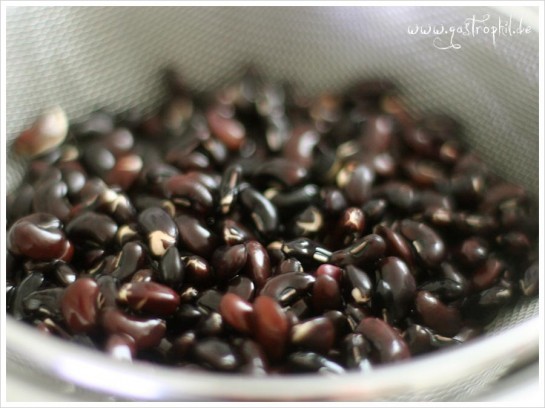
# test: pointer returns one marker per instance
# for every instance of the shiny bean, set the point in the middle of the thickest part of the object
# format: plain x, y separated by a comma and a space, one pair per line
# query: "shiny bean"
397, 277
26, 287
79, 305
171, 268
229, 261
242, 287
363, 251
131, 258
270, 327
389, 345
262, 212
317, 334
258, 265
149, 297
359, 285
529, 283
443, 319
184, 191
195, 235
38, 236
91, 228
197, 271
236, 312
288, 287
228, 189
146, 333
427, 244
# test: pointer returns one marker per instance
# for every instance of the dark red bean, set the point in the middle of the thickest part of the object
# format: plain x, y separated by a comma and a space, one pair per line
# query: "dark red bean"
288, 287
364, 251
242, 287
299, 147
125, 171
443, 319
270, 327
326, 294
46, 133
389, 345
91, 228
374, 210
424, 173
195, 236
79, 305
356, 181
317, 334
229, 261
427, 244
473, 251
332, 271
401, 284
149, 297
396, 245
281, 170
115, 204
146, 333
258, 265
37, 236
143, 275
236, 312
226, 128
486, 275
418, 338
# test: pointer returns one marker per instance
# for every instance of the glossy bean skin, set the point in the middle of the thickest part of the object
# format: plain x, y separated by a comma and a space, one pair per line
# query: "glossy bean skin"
390, 346
236, 312
79, 305
92, 228
271, 327
316, 335
258, 265
229, 261
427, 244
401, 284
149, 297
195, 236
366, 250
145, 332
38, 236
159, 228
445, 320
288, 286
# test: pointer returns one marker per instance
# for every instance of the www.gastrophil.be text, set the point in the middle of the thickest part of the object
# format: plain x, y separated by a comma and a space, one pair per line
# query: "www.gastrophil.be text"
446, 36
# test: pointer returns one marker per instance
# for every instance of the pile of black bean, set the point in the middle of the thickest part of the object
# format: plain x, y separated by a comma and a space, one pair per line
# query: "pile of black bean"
250, 230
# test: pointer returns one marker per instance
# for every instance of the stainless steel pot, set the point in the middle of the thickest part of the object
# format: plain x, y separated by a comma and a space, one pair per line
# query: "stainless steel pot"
82, 58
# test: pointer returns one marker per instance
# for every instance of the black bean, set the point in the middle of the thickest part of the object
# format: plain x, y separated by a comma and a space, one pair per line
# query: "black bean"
229, 188
91, 228
261, 211
309, 362
171, 268
195, 235
288, 287
159, 228
216, 353
363, 251
28, 285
